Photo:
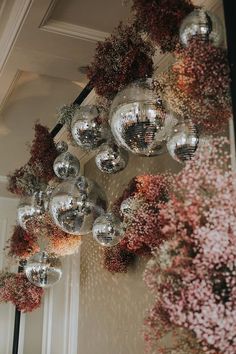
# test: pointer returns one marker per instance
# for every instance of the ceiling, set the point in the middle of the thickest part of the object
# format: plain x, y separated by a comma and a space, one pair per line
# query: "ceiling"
43, 43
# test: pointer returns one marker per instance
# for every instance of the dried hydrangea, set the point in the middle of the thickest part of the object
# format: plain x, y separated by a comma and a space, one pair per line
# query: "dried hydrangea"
161, 19
16, 288
22, 244
122, 58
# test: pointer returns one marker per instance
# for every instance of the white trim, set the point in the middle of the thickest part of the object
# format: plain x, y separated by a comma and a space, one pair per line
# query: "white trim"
14, 24
47, 322
3, 179
74, 31
48, 13
7, 93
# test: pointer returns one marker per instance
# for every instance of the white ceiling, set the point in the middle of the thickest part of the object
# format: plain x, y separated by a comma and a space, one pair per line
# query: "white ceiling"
43, 43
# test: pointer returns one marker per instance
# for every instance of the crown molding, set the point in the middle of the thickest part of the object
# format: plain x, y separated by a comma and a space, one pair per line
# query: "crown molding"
16, 17
74, 31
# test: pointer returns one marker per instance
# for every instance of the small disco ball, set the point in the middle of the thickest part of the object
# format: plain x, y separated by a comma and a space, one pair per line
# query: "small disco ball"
126, 206
204, 25
43, 270
29, 208
61, 147
75, 204
111, 158
88, 128
108, 230
183, 141
66, 166
137, 119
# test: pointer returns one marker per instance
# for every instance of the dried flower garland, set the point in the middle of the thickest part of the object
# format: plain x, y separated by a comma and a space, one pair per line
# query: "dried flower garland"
193, 273
22, 244
161, 19
122, 58
16, 288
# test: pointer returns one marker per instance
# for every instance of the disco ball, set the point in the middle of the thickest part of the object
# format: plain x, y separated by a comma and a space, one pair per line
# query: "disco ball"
88, 128
75, 204
138, 119
43, 270
203, 24
126, 206
183, 141
108, 230
111, 158
29, 208
66, 166
61, 147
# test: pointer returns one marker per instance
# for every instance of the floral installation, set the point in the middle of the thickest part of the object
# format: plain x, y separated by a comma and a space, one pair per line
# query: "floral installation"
193, 272
197, 85
22, 244
161, 20
122, 58
16, 288
65, 115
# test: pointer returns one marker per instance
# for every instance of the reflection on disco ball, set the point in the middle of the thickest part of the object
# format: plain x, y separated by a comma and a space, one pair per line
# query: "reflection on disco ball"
108, 230
111, 158
183, 141
75, 204
138, 119
29, 208
43, 270
66, 166
203, 24
126, 206
88, 128
61, 147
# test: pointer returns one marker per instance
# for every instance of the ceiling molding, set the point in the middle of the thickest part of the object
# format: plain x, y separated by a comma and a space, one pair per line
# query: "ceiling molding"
74, 31
16, 18
48, 13
9, 87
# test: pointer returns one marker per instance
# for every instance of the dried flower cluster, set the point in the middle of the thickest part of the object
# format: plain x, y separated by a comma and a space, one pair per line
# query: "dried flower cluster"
16, 288
122, 58
161, 19
39, 170
117, 259
193, 272
197, 86
22, 244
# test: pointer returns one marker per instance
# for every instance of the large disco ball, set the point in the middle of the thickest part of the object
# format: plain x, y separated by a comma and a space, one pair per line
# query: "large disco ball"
203, 24
43, 270
111, 158
138, 119
183, 141
29, 208
75, 204
88, 127
108, 230
66, 166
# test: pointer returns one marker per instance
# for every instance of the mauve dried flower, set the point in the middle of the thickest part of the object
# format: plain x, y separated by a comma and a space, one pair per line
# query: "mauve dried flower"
22, 244
161, 19
193, 272
117, 259
43, 153
23, 181
122, 58
16, 288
